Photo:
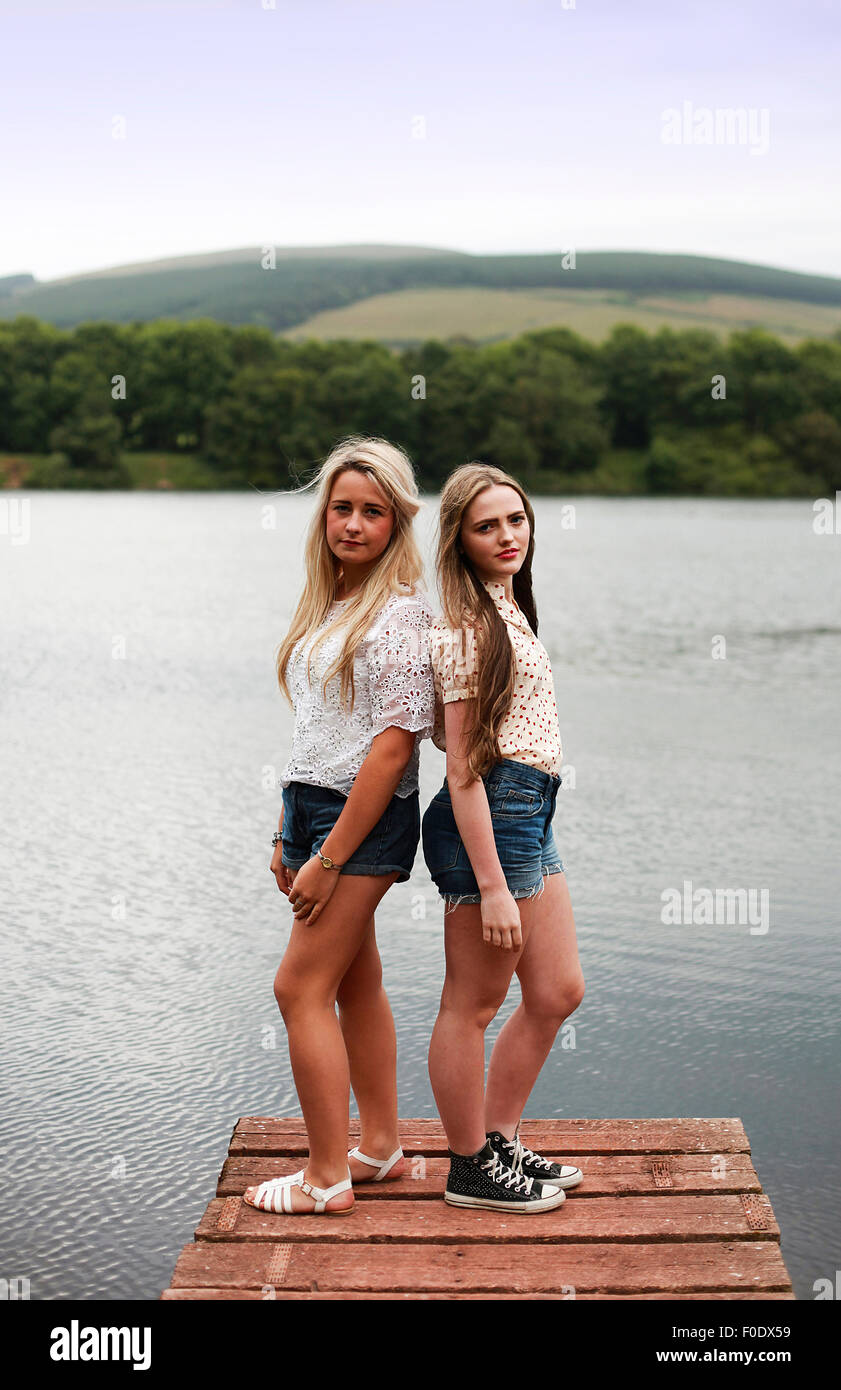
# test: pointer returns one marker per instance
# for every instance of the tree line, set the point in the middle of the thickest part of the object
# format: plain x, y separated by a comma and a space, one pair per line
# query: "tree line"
665, 412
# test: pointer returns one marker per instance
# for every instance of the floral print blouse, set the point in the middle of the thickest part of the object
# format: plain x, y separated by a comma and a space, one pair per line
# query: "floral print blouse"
529, 732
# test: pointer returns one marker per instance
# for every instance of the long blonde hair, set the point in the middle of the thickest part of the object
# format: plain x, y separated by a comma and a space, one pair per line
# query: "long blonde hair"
397, 570
466, 603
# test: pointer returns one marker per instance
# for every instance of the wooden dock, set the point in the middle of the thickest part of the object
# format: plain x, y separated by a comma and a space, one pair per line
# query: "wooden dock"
668, 1209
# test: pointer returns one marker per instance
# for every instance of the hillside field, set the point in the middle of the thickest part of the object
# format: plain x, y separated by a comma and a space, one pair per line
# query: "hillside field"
408, 317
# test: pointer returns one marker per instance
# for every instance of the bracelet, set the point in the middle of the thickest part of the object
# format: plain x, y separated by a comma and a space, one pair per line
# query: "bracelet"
277, 837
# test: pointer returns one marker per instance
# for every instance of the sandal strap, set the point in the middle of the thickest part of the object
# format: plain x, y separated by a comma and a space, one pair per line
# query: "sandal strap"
323, 1194
383, 1164
268, 1191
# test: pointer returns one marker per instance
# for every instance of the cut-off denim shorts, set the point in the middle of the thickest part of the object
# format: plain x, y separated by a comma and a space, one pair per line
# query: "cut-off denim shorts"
310, 812
522, 804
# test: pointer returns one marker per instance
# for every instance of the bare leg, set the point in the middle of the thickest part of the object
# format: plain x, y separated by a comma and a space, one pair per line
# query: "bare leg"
306, 987
367, 1026
552, 985
476, 983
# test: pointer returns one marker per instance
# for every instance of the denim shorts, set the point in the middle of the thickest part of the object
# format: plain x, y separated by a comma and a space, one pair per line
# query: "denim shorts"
522, 804
310, 812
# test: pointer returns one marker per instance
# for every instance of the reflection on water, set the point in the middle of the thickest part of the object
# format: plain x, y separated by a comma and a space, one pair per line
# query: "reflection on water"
697, 673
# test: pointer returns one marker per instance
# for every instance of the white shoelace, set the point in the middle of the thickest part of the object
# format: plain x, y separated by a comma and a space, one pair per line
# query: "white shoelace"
522, 1154
513, 1177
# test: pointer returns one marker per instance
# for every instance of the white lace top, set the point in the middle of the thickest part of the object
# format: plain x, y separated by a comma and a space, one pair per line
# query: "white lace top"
393, 685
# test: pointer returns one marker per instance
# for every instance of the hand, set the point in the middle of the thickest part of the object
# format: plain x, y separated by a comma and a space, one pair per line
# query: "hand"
283, 875
501, 920
311, 888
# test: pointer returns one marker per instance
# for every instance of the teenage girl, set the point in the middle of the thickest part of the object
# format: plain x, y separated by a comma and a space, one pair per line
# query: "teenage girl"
488, 845
355, 666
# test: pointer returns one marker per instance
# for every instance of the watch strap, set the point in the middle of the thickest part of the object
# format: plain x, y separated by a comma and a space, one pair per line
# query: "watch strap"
330, 864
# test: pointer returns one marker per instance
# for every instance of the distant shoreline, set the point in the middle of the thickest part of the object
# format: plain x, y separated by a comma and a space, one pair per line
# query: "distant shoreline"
188, 473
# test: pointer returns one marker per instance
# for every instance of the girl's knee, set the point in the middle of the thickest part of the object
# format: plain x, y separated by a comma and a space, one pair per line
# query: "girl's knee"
573, 994
293, 993
283, 992
485, 1014
554, 1005
480, 1012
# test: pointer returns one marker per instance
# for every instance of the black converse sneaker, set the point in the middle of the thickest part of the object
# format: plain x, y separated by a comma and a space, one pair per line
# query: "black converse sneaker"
484, 1180
532, 1165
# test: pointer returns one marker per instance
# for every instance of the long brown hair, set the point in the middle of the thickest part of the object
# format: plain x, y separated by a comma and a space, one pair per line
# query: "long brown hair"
466, 603
398, 570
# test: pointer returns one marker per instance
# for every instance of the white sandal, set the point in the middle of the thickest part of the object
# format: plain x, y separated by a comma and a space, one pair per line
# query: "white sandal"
382, 1165
266, 1196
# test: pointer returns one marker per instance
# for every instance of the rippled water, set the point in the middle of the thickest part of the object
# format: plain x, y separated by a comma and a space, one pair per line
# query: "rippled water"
142, 731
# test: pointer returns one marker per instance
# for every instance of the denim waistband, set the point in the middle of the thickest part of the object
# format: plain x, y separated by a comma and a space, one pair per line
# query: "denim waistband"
523, 774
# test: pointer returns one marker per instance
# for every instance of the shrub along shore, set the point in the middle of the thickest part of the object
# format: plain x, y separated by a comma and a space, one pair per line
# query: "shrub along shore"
203, 405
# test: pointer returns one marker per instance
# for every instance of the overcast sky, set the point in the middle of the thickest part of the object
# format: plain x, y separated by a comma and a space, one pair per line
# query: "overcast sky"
481, 125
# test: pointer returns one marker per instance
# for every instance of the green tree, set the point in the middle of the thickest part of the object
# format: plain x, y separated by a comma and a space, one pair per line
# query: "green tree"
507, 447
89, 441
265, 429
673, 466
255, 347
682, 367
556, 407
813, 442
562, 341
763, 380
28, 351
628, 394
820, 375
184, 368
367, 392
461, 405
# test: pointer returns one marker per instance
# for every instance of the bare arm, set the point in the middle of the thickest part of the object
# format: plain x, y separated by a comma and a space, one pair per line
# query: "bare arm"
373, 787
378, 779
500, 914
283, 876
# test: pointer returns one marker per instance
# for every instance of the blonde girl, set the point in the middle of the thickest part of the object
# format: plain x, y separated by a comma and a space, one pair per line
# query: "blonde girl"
355, 666
488, 845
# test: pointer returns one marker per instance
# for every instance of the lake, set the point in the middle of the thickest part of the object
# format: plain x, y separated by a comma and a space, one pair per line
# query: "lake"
696, 647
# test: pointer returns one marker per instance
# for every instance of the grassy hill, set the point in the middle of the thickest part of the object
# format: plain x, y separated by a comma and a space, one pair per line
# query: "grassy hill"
408, 317
403, 295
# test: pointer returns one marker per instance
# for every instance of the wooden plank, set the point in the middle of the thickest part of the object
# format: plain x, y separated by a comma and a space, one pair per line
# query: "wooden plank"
262, 1135
619, 1174
660, 1218
284, 1295
697, 1267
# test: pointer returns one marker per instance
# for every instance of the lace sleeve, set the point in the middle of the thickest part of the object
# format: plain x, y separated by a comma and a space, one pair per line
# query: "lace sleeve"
453, 655
401, 686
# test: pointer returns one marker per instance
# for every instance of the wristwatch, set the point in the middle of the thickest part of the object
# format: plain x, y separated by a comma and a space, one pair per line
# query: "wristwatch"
327, 862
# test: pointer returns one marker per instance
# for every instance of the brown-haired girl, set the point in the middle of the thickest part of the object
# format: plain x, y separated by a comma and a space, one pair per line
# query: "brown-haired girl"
488, 845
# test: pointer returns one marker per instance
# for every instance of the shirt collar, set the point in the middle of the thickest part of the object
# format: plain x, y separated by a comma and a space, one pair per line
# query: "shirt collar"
506, 607
495, 587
